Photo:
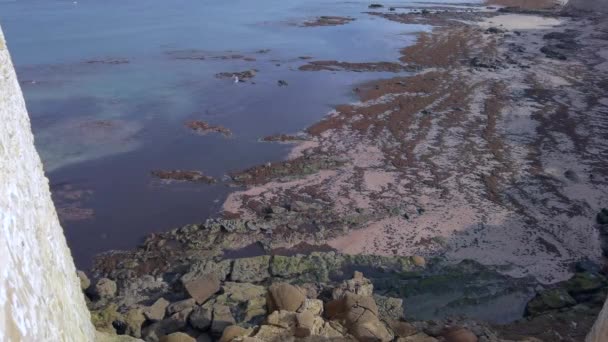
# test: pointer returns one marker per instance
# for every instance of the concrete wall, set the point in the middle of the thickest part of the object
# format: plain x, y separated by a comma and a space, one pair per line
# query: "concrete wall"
40, 296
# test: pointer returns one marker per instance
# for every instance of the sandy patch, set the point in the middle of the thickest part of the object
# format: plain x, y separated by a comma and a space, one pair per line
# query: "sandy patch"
521, 22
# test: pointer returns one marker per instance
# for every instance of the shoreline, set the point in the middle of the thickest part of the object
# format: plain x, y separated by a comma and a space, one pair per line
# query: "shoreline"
468, 188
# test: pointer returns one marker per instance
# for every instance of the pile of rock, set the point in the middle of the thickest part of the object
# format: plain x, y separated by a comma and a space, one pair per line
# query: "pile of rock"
232, 311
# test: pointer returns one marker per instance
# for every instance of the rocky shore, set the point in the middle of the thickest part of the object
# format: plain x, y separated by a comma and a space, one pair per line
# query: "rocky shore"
457, 203
322, 297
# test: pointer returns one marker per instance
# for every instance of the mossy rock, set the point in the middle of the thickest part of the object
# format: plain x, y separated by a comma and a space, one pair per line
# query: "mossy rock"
304, 268
549, 300
102, 319
585, 282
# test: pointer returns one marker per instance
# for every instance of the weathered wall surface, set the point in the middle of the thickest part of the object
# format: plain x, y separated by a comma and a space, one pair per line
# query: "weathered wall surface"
40, 296
599, 332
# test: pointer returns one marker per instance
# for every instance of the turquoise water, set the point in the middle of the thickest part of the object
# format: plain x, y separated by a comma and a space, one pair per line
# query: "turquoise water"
148, 99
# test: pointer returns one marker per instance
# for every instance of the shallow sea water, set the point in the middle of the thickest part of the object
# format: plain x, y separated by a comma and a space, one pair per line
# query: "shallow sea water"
102, 127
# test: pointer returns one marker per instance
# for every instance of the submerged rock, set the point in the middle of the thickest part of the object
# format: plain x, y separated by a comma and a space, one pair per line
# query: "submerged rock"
550, 300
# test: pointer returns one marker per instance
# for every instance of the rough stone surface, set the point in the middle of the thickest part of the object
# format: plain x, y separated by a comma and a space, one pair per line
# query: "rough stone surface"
40, 294
134, 318
180, 306
156, 311
232, 332
202, 288
251, 270
105, 288
202, 316
304, 324
222, 318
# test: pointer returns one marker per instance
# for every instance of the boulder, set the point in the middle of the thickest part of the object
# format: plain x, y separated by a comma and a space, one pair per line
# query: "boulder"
233, 331
350, 305
371, 330
177, 337
105, 288
102, 319
251, 270
222, 318
304, 324
284, 319
314, 306
84, 280
156, 311
202, 288
283, 296
360, 315
133, 319
202, 316
401, 328
457, 334
247, 300
181, 306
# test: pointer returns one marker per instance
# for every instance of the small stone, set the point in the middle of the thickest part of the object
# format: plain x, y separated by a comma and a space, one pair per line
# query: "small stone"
202, 288
177, 337
418, 261
84, 280
283, 296
105, 288
156, 312
180, 306
233, 331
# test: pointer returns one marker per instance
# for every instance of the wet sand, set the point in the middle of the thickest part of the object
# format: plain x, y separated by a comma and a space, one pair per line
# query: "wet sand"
493, 151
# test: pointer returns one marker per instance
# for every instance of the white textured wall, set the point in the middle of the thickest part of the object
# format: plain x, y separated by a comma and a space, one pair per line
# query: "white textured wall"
40, 296
599, 332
